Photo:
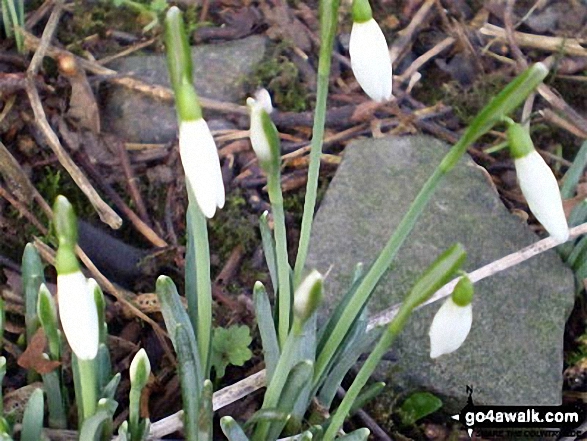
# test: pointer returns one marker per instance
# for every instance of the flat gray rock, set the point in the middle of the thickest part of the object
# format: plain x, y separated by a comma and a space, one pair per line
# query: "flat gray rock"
514, 353
219, 73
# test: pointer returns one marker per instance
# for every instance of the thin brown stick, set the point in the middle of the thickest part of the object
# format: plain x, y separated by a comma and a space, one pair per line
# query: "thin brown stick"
23, 210
131, 181
425, 58
140, 226
156, 91
129, 50
107, 215
407, 35
569, 46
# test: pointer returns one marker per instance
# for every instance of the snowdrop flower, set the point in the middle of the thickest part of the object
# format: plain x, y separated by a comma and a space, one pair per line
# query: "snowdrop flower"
369, 53
538, 184
201, 164
452, 322
308, 296
263, 134
197, 148
77, 308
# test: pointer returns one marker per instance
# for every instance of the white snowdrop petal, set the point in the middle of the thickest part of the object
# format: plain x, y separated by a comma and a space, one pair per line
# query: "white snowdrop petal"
541, 191
78, 314
370, 60
450, 328
201, 165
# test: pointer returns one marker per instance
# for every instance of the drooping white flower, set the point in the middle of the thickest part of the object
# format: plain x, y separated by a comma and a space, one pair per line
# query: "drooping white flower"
537, 183
453, 320
259, 107
370, 59
78, 314
542, 193
450, 328
201, 164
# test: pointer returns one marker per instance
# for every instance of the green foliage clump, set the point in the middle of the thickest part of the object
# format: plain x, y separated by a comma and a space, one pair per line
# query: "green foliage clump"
230, 346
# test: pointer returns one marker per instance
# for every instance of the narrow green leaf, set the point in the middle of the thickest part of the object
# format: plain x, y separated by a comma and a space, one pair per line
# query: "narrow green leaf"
32, 278
189, 379
368, 394
232, 430
298, 378
266, 329
92, 427
417, 406
32, 420
57, 413
174, 314
109, 391
206, 412
357, 435
358, 344
574, 173
47, 313
269, 248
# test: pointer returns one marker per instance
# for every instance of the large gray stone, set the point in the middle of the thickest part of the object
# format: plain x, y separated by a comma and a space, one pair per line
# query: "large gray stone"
219, 73
514, 353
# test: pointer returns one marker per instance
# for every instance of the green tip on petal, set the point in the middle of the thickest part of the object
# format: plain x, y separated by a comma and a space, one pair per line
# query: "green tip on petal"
519, 140
361, 11
463, 292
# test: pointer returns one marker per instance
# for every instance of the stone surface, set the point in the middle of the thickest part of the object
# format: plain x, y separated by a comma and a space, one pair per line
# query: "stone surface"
219, 73
514, 353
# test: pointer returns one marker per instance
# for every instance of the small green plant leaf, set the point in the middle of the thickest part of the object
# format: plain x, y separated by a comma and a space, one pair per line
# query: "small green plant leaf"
417, 406
232, 430
32, 422
230, 346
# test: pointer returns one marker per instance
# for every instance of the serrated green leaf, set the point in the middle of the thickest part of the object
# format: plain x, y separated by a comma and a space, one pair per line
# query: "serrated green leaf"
230, 346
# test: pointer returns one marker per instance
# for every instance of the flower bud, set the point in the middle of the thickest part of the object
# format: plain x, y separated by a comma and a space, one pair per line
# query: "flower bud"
452, 323
308, 296
140, 369
263, 134
538, 184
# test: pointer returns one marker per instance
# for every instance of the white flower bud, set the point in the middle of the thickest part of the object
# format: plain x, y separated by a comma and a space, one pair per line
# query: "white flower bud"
370, 60
201, 165
77, 311
259, 140
450, 328
140, 369
541, 191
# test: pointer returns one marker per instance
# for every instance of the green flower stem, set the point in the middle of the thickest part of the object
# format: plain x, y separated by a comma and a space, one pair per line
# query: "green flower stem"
89, 392
328, 22
200, 301
506, 101
134, 399
284, 289
435, 276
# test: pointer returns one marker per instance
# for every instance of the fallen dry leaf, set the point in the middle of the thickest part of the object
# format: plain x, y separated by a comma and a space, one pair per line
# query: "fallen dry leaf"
33, 358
